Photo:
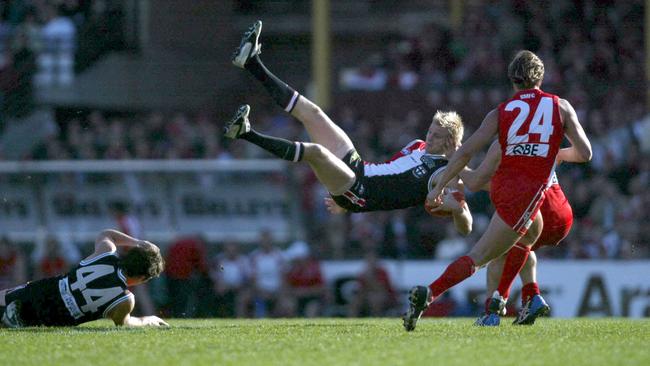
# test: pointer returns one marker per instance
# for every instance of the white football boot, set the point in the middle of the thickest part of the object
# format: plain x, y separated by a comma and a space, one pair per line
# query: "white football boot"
249, 45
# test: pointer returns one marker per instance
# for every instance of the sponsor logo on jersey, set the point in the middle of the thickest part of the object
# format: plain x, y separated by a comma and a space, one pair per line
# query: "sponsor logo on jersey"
431, 160
360, 188
527, 96
527, 149
68, 300
419, 171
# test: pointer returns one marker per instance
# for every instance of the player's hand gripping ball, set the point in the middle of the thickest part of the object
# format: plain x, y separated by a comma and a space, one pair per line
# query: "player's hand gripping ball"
452, 200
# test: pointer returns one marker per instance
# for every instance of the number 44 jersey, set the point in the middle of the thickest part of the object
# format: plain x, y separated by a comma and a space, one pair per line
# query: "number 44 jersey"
95, 287
88, 292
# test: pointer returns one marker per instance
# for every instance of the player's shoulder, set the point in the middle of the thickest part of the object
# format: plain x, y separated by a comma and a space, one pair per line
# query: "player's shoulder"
564, 104
414, 145
101, 256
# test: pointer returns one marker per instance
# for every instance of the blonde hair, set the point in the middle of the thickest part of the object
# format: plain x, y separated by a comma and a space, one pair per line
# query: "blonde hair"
452, 122
526, 70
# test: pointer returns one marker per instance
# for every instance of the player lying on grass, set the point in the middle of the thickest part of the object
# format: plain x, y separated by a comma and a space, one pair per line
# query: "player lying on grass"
530, 127
501, 272
355, 185
96, 288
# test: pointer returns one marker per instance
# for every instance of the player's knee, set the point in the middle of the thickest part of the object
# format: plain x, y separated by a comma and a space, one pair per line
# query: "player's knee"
479, 257
315, 152
313, 110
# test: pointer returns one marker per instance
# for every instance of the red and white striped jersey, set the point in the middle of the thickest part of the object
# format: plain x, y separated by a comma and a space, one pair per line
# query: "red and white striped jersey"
401, 182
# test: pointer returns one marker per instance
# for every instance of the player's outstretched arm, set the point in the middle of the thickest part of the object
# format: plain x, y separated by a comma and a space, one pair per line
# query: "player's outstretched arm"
580, 150
121, 316
479, 178
453, 201
109, 240
480, 138
461, 214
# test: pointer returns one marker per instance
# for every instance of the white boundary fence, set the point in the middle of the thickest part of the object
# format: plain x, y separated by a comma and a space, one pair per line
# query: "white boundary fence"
590, 288
218, 199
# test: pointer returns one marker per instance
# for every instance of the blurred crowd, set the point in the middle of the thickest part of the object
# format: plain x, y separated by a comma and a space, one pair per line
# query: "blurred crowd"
593, 54
45, 42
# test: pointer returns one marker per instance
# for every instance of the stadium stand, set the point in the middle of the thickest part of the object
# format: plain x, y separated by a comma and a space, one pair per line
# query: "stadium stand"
387, 91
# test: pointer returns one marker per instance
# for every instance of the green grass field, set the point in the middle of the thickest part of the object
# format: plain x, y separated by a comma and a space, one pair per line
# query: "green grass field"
550, 342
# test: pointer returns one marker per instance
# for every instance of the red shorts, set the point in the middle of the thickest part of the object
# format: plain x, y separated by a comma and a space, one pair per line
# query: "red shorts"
517, 203
558, 217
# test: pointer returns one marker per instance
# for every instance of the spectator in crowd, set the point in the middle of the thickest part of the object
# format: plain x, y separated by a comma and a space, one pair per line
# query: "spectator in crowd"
267, 267
13, 269
188, 279
231, 278
305, 291
452, 246
56, 62
375, 295
370, 76
430, 67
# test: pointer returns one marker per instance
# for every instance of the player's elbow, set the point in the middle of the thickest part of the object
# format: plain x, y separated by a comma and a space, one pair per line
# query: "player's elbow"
104, 234
464, 225
469, 183
475, 184
586, 154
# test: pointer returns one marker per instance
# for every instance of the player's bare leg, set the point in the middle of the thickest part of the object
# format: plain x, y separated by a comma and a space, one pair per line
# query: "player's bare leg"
495, 304
533, 303
506, 267
493, 275
321, 129
497, 239
329, 169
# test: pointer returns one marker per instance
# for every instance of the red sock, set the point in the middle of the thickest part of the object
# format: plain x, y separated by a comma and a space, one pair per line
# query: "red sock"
456, 272
528, 291
514, 263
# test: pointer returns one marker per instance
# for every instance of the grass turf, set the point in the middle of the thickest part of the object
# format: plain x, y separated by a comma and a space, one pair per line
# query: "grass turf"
334, 342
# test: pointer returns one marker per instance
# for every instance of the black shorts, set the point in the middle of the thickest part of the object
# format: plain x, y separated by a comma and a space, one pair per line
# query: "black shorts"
41, 303
354, 200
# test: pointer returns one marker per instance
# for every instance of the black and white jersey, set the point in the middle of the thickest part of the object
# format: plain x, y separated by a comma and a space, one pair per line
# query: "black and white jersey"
94, 288
401, 182
88, 292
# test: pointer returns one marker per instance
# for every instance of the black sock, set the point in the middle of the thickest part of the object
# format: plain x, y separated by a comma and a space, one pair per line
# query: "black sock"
284, 95
283, 149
